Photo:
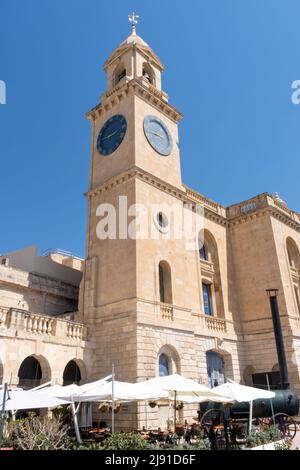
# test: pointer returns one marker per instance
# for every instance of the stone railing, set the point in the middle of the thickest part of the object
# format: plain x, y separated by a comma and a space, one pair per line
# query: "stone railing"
216, 324
166, 312
39, 324
4, 314
75, 330
202, 199
24, 322
292, 214
213, 325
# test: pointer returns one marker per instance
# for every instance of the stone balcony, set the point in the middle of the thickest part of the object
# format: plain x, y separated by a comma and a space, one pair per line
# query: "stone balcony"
21, 323
260, 203
165, 315
166, 311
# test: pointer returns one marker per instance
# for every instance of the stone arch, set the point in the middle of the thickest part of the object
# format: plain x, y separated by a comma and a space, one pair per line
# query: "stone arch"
74, 372
293, 253
165, 282
148, 73
119, 73
33, 371
247, 375
226, 358
209, 253
293, 256
174, 364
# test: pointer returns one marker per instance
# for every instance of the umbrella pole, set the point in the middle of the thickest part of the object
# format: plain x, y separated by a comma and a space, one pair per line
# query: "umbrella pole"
113, 399
146, 415
2, 422
250, 415
175, 396
74, 413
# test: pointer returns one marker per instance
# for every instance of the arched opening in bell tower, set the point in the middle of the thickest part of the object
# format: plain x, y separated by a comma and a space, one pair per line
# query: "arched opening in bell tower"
148, 73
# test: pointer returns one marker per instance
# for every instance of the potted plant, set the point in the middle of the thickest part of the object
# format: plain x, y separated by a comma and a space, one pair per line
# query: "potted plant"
104, 407
266, 438
179, 405
152, 404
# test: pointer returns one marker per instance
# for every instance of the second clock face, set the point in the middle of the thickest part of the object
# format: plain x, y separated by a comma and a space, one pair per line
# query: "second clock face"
158, 135
111, 134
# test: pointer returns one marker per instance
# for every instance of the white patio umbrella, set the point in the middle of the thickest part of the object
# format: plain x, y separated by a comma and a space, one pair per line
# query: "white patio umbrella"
71, 393
27, 400
63, 392
183, 387
243, 393
123, 391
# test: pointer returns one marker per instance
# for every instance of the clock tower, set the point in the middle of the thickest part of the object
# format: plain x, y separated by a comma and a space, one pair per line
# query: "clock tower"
135, 161
134, 125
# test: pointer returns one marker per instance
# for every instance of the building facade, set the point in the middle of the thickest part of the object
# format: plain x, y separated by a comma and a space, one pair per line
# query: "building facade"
150, 305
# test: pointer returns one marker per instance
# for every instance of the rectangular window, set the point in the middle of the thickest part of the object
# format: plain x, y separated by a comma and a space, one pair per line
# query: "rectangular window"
297, 298
207, 299
202, 253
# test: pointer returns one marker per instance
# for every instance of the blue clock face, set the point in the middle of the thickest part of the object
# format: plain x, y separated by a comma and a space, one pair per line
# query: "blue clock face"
158, 135
111, 134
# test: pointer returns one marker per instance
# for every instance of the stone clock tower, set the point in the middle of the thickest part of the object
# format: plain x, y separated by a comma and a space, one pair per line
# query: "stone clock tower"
134, 160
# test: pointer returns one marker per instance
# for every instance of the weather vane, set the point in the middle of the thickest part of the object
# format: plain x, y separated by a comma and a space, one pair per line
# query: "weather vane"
133, 19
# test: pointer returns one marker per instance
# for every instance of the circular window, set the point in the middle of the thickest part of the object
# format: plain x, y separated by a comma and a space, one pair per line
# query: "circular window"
161, 222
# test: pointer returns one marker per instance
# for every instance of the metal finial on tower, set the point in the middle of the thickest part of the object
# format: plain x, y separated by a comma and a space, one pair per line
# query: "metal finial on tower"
133, 19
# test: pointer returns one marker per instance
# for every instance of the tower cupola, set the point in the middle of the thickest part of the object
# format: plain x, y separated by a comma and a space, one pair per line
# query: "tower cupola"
133, 59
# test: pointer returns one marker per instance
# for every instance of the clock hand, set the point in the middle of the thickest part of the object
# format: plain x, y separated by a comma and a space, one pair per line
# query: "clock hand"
110, 135
159, 135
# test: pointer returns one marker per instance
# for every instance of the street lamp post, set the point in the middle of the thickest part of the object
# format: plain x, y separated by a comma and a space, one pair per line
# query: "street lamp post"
273, 294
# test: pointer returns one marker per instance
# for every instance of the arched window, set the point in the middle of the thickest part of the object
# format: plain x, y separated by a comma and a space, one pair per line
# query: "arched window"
294, 265
293, 253
148, 73
215, 369
71, 374
211, 275
164, 365
30, 373
207, 301
165, 283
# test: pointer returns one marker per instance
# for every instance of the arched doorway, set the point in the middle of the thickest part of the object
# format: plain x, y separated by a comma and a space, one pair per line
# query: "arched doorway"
168, 363
30, 373
215, 369
72, 373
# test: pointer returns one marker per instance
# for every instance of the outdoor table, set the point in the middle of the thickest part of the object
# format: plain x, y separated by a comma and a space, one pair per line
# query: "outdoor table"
100, 434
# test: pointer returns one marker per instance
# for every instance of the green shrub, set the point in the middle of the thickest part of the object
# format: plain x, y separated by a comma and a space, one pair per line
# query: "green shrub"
125, 441
286, 445
93, 446
264, 435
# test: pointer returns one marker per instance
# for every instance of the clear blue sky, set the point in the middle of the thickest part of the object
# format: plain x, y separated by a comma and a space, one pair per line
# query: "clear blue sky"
229, 68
